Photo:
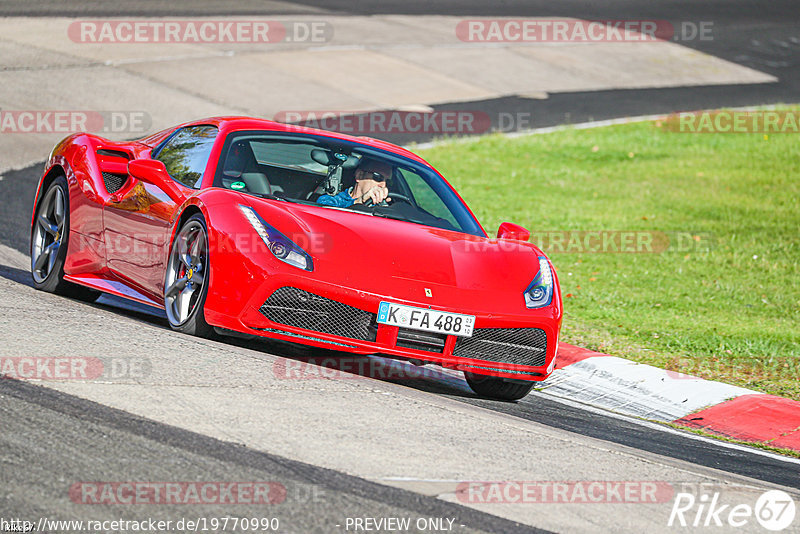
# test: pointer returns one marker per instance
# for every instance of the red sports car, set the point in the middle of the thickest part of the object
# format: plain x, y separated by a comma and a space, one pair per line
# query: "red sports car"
252, 226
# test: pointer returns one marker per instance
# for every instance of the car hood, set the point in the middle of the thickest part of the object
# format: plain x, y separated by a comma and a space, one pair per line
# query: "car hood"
402, 259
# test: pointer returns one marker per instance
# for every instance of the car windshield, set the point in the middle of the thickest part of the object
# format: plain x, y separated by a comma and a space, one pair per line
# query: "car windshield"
311, 169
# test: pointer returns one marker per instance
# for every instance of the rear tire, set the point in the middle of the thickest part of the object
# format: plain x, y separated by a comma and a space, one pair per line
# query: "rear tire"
498, 388
49, 241
187, 279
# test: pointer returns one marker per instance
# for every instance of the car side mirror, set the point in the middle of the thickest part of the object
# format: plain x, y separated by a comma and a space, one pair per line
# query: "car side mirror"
509, 230
154, 172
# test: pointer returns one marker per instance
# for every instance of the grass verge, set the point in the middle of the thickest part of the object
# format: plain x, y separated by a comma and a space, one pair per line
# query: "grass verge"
721, 301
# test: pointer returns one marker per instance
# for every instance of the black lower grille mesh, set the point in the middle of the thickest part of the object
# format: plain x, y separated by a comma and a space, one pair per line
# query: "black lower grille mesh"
522, 346
419, 340
113, 181
294, 307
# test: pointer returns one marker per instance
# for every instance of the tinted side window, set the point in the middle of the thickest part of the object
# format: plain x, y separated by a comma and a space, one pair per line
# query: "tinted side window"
185, 155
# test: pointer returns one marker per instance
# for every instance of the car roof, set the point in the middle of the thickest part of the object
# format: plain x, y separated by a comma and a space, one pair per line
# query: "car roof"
229, 124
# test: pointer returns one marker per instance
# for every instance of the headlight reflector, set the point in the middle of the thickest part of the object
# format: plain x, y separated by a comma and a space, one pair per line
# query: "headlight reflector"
281, 246
540, 292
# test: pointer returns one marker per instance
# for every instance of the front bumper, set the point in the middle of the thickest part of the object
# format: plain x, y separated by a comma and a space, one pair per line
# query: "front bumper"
519, 346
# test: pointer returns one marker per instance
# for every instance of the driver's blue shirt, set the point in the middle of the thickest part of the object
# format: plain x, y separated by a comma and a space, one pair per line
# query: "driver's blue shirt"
342, 200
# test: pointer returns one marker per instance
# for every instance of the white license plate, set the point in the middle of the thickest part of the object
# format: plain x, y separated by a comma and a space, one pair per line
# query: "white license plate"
442, 322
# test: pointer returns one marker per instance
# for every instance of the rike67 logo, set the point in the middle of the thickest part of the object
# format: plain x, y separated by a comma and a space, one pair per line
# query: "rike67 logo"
774, 510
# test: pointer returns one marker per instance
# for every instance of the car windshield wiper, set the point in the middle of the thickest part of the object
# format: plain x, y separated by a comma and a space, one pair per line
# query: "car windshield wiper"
386, 215
270, 196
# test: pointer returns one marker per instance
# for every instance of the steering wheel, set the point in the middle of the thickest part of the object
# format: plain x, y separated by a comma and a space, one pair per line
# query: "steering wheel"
397, 196
394, 198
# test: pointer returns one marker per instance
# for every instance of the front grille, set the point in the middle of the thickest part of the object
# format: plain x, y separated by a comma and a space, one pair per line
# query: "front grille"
419, 340
521, 346
294, 307
113, 181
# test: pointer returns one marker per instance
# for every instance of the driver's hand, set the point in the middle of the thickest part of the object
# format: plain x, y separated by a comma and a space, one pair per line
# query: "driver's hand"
378, 194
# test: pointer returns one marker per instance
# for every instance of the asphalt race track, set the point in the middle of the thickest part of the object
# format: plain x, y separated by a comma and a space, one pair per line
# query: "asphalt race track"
129, 444
344, 445
763, 36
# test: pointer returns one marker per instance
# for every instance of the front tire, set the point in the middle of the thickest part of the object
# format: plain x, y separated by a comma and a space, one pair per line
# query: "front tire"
187, 279
498, 388
49, 241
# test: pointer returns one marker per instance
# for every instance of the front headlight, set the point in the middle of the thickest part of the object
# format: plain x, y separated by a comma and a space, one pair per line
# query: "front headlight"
540, 292
281, 246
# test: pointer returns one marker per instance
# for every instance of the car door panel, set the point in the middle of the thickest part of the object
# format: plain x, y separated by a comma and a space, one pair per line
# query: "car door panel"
137, 227
138, 218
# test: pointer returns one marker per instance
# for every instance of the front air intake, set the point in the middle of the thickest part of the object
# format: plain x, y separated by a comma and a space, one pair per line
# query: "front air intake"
520, 346
295, 307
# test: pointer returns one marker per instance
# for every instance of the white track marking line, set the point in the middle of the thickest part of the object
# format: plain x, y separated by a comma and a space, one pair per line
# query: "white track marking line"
667, 429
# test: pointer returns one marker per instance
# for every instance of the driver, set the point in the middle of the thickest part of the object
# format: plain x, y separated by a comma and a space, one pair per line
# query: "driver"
371, 177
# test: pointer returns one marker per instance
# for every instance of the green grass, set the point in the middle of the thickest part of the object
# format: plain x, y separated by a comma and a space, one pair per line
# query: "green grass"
731, 313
